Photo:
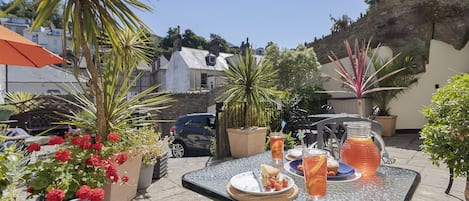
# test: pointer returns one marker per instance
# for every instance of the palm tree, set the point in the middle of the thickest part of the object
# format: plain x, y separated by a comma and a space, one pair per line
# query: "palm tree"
132, 51
249, 82
87, 21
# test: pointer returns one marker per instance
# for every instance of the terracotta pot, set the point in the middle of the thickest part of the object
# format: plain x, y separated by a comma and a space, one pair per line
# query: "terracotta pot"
246, 142
127, 191
388, 125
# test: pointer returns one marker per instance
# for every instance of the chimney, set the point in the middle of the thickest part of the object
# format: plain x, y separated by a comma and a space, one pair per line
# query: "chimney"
215, 47
177, 40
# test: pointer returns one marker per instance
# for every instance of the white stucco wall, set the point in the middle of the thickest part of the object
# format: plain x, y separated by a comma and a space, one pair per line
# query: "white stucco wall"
444, 62
177, 74
39, 80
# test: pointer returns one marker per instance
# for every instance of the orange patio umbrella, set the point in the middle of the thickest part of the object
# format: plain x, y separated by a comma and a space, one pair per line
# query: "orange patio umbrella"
18, 50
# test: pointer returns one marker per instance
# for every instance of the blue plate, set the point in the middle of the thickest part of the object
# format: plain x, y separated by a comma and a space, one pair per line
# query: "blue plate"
343, 171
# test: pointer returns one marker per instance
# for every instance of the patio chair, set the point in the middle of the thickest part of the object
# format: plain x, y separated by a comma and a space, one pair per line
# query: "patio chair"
331, 133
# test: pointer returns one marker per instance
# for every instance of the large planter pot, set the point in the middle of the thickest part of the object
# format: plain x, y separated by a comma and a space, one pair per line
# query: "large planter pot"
246, 142
388, 124
161, 166
146, 174
127, 191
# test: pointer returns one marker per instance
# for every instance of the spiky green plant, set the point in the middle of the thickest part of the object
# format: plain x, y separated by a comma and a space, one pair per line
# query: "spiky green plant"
405, 79
120, 65
87, 21
249, 82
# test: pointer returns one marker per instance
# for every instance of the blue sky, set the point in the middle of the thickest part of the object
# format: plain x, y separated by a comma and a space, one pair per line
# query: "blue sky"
287, 23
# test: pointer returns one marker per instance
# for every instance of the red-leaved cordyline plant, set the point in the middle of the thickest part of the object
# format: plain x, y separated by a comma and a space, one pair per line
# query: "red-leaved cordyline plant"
361, 80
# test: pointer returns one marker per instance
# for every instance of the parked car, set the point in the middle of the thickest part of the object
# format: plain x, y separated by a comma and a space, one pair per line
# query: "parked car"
192, 134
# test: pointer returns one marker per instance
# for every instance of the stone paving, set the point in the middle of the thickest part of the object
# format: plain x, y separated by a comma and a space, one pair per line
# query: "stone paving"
404, 147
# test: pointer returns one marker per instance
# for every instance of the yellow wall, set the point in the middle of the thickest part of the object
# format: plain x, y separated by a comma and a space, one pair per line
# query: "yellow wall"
444, 62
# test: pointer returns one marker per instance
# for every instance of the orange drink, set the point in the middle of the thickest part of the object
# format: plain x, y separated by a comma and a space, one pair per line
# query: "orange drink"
362, 154
315, 172
359, 150
276, 146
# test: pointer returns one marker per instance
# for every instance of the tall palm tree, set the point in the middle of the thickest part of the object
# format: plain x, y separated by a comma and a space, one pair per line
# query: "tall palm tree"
249, 82
87, 21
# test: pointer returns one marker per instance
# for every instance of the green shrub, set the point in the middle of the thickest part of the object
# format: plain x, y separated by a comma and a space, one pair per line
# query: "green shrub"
446, 135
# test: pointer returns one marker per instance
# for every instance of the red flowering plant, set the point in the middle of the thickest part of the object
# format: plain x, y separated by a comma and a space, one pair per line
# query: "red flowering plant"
79, 167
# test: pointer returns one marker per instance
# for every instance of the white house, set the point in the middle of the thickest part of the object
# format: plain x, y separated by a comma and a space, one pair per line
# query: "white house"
192, 69
45, 80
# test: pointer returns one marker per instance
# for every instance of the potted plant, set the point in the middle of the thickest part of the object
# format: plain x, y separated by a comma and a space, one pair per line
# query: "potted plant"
80, 167
381, 99
6, 111
152, 148
446, 134
249, 84
358, 78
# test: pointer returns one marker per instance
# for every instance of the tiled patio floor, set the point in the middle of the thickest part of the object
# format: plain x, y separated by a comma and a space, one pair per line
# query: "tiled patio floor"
404, 147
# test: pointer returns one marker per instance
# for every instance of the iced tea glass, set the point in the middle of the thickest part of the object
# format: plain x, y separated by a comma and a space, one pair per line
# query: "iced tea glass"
315, 172
276, 146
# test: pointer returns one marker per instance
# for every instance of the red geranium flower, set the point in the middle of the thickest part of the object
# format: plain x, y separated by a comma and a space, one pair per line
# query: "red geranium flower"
55, 195
55, 140
125, 178
62, 155
98, 139
76, 140
84, 192
121, 158
113, 137
85, 145
97, 194
111, 173
98, 146
34, 147
86, 137
94, 160
66, 135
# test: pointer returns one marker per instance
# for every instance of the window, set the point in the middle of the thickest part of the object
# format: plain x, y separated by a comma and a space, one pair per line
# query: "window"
203, 79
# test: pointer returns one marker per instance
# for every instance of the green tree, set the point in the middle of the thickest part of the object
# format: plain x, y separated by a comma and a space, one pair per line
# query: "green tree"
299, 74
27, 9
88, 20
224, 46
340, 23
192, 40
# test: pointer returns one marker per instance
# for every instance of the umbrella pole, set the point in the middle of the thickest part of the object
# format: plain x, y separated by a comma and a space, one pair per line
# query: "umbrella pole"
6, 78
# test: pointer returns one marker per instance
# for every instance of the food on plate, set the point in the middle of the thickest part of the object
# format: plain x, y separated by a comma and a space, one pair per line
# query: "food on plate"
270, 177
332, 166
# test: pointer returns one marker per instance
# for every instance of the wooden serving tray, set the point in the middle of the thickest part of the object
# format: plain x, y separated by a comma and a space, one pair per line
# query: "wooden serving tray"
240, 195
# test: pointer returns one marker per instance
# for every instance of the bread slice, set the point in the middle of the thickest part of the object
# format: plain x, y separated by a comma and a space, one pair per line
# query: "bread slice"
269, 171
332, 165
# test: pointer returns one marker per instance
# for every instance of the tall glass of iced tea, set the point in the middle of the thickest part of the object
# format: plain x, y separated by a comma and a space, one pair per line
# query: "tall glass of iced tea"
315, 172
276, 146
359, 150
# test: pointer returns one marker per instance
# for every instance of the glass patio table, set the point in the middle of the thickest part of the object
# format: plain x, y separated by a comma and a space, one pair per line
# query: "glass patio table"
391, 183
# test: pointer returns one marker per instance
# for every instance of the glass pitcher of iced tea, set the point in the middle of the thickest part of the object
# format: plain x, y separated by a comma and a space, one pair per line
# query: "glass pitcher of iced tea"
359, 150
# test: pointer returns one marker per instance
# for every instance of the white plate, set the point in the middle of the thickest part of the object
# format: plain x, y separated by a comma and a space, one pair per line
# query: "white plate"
245, 182
293, 154
352, 177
